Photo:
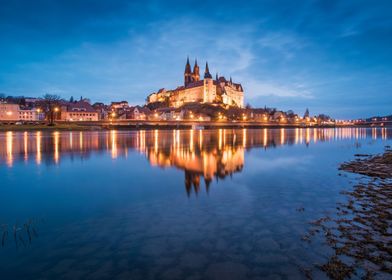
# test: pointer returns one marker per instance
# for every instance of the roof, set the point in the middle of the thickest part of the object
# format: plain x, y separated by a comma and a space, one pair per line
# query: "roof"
195, 84
144, 110
80, 106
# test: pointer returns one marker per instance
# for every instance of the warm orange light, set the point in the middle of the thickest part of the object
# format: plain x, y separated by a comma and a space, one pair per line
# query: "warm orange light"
56, 109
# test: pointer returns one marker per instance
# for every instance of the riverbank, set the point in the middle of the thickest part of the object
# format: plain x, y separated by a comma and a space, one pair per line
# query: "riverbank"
359, 233
149, 125
45, 127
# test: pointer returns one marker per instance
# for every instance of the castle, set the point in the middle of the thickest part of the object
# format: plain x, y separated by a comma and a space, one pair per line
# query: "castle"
208, 90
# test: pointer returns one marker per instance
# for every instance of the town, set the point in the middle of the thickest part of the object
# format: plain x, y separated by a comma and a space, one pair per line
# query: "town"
198, 101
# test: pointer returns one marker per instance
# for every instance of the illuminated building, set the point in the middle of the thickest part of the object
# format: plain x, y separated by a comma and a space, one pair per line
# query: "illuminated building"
13, 112
208, 90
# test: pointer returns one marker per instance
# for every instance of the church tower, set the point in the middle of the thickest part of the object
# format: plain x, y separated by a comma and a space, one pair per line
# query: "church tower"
209, 91
196, 72
207, 74
187, 73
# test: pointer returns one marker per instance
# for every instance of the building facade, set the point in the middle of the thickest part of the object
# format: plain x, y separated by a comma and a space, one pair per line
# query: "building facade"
208, 90
78, 111
13, 112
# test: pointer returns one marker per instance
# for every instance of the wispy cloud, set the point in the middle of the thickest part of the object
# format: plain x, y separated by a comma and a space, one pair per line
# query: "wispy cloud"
256, 88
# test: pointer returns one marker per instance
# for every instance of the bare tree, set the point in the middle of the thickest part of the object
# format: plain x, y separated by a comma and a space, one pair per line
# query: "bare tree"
50, 104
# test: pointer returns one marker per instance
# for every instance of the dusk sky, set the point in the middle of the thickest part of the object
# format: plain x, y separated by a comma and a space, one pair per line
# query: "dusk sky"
334, 57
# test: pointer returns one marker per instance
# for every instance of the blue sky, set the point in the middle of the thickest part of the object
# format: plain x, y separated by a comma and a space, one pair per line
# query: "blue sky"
331, 56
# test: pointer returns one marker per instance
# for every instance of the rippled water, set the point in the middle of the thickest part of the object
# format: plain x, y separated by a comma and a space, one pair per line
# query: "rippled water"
181, 204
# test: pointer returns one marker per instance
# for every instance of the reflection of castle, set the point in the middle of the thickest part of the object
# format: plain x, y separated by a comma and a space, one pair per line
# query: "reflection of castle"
209, 90
199, 154
202, 154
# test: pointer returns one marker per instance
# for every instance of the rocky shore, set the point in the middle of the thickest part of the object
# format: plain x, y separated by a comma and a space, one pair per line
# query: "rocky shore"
360, 233
379, 166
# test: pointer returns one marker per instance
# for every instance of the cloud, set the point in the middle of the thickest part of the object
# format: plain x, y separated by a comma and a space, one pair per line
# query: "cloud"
257, 88
284, 43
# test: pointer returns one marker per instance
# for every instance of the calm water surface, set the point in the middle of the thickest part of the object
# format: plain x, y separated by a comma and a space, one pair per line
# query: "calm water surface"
212, 204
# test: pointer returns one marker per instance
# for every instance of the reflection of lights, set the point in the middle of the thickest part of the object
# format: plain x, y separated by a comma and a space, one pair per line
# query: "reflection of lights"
25, 145
113, 137
200, 139
9, 113
156, 138
282, 136
56, 136
70, 140
38, 142
191, 140
9, 144
81, 141
220, 139
383, 133
301, 131
153, 142
307, 138
244, 137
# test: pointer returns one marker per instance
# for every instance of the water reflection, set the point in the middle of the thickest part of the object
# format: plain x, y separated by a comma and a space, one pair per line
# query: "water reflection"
202, 154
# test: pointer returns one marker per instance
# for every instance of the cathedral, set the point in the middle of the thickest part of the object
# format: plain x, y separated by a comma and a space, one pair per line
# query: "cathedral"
207, 90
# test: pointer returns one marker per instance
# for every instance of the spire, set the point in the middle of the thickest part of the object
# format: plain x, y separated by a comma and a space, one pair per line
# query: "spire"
216, 77
196, 68
188, 66
231, 81
207, 74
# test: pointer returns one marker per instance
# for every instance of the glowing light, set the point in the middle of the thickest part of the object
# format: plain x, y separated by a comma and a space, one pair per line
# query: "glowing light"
81, 141
244, 137
220, 139
38, 148
156, 139
9, 145
191, 140
113, 137
56, 155
70, 140
265, 137
25, 145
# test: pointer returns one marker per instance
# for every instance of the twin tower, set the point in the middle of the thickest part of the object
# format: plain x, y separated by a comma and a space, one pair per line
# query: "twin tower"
194, 76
